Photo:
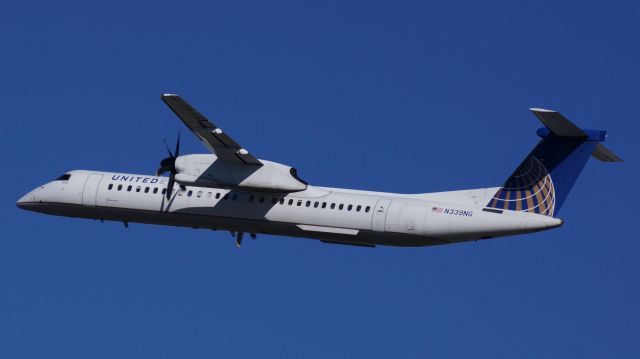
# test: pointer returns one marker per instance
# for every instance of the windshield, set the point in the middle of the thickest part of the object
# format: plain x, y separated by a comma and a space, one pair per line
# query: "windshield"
64, 177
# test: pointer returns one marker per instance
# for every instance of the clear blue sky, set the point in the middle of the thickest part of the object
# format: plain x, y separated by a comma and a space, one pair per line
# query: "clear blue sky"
402, 97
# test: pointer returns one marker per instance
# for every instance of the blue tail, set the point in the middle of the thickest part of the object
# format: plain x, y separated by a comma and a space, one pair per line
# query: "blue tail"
542, 182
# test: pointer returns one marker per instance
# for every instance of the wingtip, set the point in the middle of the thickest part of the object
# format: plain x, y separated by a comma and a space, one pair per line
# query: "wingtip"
168, 95
536, 109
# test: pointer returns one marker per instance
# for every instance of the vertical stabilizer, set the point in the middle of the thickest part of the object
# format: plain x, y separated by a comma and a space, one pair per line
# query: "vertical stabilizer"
544, 179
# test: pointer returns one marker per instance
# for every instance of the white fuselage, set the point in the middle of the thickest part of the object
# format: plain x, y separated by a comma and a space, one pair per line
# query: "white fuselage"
328, 214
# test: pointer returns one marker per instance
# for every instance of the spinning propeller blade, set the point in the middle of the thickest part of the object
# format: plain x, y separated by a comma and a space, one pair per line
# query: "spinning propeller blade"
168, 164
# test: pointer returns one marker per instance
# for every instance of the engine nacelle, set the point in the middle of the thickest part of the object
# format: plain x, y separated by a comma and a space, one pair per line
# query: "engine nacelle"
208, 171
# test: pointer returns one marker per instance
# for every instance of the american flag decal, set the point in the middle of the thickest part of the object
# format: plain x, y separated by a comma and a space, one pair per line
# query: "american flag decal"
437, 210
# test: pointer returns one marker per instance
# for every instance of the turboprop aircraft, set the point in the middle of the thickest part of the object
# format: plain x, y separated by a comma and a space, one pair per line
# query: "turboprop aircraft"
231, 189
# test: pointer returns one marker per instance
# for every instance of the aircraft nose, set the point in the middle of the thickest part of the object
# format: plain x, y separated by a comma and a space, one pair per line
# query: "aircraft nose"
25, 201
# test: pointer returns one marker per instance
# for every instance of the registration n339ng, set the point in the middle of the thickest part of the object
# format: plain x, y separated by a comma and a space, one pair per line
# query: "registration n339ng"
231, 189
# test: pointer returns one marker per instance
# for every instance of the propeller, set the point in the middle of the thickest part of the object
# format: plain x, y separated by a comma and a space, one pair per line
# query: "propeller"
169, 165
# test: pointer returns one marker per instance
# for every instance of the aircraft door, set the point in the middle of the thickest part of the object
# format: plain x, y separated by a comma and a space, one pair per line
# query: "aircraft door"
380, 214
412, 219
90, 189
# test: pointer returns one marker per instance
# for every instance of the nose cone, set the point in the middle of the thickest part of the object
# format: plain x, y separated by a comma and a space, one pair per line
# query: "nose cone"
26, 201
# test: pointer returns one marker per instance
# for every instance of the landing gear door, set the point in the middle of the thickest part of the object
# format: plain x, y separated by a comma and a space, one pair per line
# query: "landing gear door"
90, 189
380, 215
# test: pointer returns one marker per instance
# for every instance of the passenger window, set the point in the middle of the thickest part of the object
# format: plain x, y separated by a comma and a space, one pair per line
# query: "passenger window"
341, 206
217, 195
299, 203
155, 190
110, 186
180, 192
333, 205
119, 187
324, 204
199, 194
129, 188
274, 200
308, 203
315, 205
208, 194
261, 199
281, 200
164, 191
349, 207
367, 209
358, 208
226, 196
290, 202
189, 193
251, 198
138, 188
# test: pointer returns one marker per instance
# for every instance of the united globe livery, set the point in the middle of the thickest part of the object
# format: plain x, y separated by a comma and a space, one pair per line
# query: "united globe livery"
230, 189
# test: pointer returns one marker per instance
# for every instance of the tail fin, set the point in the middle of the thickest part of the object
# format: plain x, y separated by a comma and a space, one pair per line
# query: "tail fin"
542, 182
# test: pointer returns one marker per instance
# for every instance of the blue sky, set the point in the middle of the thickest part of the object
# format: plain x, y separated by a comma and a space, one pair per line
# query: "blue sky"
404, 97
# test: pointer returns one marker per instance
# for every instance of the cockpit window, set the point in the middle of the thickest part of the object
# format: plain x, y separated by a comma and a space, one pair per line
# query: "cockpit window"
64, 177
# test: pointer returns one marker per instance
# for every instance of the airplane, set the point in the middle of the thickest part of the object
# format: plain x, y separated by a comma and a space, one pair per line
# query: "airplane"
230, 189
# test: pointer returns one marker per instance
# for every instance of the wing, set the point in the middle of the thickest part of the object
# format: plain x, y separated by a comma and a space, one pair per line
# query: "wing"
225, 148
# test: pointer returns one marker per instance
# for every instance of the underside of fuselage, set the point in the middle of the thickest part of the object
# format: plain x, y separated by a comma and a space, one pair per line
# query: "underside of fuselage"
184, 218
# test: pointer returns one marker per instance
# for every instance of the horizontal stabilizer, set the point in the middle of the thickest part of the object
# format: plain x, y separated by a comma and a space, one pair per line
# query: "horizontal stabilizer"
604, 154
557, 123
